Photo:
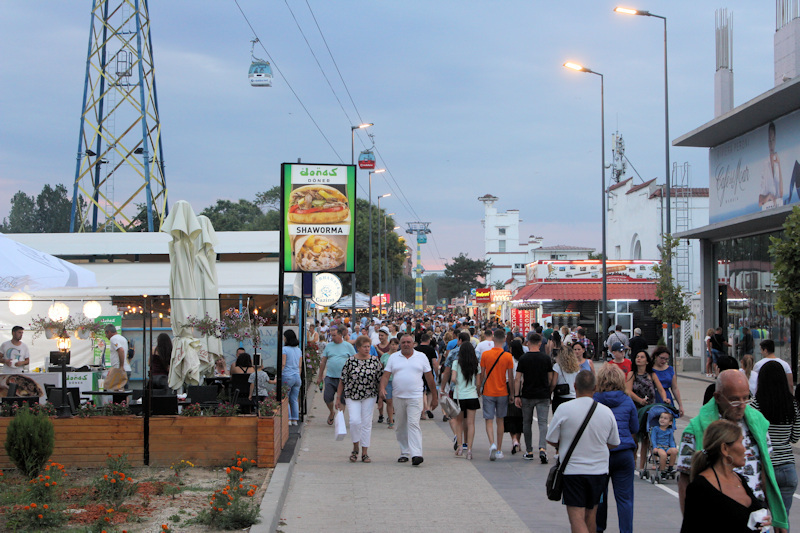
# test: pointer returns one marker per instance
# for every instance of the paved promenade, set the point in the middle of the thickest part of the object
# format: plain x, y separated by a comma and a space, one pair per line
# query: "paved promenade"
446, 493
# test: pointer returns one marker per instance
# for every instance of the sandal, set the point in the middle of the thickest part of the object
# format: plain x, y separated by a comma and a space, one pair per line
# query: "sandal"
354, 457
402, 459
390, 424
330, 420
365, 459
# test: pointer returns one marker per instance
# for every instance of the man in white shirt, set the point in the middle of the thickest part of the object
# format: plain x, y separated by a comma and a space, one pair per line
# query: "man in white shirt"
586, 472
14, 354
119, 349
486, 343
768, 354
408, 368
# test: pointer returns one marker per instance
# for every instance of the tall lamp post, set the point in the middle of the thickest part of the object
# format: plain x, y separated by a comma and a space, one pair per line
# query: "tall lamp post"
667, 173
371, 172
580, 68
380, 276
353, 215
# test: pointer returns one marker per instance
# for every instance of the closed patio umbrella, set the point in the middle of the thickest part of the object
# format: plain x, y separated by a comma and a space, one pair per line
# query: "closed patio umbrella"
205, 277
183, 226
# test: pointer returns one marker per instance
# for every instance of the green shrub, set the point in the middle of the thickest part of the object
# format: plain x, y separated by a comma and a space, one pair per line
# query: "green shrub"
29, 441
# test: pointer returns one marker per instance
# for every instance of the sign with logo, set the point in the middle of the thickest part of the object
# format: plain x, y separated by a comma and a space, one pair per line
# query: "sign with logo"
501, 295
522, 318
318, 206
590, 270
327, 289
756, 171
483, 296
380, 300
101, 350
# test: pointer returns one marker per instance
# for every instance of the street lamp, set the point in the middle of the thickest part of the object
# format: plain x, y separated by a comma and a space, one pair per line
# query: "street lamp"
380, 276
371, 172
353, 162
667, 173
581, 68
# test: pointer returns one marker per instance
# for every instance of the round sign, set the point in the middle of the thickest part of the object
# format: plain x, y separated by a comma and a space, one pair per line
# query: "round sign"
327, 289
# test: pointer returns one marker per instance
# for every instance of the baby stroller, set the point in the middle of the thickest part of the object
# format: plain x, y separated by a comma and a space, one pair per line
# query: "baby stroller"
651, 414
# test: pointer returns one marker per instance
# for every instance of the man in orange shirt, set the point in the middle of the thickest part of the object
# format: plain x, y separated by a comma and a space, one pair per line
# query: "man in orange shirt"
497, 370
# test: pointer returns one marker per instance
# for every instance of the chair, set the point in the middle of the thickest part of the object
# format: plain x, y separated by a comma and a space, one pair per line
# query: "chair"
203, 395
164, 405
240, 385
20, 400
73, 395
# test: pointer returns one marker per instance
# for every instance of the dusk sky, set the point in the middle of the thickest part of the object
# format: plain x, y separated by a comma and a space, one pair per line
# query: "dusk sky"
468, 98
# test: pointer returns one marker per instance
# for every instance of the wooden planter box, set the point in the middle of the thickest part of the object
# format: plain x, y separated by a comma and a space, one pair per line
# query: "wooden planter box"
86, 442
202, 440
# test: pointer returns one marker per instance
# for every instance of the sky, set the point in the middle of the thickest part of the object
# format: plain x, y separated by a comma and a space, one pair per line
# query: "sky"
468, 98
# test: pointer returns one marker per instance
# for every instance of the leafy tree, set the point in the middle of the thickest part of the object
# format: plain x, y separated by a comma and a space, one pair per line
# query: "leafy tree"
139, 222
786, 272
49, 212
499, 285
269, 200
430, 289
462, 275
671, 308
243, 215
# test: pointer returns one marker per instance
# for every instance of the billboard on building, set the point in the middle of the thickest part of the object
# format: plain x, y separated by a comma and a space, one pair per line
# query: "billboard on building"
318, 205
590, 270
483, 296
756, 171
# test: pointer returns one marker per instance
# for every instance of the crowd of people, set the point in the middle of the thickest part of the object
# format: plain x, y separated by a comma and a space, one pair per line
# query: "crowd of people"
736, 452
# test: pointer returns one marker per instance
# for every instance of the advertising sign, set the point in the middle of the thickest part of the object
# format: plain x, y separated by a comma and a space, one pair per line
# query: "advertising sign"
380, 300
327, 289
318, 206
501, 295
522, 318
483, 296
590, 270
756, 171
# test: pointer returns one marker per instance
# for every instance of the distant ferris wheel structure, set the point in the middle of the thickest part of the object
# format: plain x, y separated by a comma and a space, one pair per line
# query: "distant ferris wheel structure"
120, 157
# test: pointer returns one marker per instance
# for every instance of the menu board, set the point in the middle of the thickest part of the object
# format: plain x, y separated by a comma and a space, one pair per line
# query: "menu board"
318, 207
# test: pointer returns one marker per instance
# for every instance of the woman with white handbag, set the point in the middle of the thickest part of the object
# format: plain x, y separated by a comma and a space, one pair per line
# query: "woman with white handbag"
358, 390
465, 382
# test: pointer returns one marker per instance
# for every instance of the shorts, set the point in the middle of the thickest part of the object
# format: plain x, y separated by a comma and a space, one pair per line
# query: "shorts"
389, 390
331, 386
470, 404
495, 407
583, 490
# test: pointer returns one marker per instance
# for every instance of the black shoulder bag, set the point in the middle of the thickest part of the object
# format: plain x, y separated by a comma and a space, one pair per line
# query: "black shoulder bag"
555, 479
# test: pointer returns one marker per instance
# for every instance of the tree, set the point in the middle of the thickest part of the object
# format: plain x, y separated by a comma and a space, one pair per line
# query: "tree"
49, 212
243, 215
430, 287
671, 308
269, 200
462, 275
499, 285
786, 272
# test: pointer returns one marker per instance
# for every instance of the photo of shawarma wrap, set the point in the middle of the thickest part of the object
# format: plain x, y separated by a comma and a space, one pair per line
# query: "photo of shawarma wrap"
316, 253
317, 204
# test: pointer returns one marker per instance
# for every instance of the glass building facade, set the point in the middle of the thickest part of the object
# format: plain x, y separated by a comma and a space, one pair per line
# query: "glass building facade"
747, 295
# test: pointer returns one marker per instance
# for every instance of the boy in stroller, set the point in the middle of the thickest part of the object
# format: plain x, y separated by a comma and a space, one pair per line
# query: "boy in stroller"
662, 438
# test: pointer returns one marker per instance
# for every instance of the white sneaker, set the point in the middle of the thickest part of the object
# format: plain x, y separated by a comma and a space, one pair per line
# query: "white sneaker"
493, 452
499, 454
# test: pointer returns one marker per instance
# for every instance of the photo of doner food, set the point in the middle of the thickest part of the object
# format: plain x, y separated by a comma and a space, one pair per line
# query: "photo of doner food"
315, 253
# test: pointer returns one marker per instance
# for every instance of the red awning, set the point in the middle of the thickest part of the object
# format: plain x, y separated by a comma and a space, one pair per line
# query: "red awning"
573, 291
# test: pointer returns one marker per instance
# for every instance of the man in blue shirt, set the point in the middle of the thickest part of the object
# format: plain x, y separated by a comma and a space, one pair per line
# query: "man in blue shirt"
334, 357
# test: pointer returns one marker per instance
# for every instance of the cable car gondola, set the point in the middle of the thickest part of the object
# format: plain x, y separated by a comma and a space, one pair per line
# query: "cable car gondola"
366, 160
260, 72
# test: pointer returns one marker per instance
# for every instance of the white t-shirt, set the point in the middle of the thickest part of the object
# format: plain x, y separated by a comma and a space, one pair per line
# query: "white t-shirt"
407, 374
15, 353
757, 369
482, 347
114, 343
590, 456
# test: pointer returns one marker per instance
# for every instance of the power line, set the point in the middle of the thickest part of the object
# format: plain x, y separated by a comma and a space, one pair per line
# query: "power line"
255, 34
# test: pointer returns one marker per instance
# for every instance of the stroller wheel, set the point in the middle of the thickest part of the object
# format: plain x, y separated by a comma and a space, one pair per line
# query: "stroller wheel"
642, 474
654, 479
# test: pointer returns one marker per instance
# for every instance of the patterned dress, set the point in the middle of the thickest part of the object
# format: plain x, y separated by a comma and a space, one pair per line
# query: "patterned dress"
361, 378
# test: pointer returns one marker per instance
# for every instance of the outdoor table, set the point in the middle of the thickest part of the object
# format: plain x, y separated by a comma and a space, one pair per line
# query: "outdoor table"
117, 396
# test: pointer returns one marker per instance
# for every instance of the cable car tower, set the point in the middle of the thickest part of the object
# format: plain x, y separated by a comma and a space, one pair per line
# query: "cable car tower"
420, 229
120, 158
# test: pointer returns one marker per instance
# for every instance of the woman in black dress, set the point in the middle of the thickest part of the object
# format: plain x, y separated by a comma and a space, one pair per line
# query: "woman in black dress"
717, 498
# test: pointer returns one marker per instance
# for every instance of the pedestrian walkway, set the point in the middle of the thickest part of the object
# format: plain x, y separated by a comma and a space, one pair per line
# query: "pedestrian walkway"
445, 493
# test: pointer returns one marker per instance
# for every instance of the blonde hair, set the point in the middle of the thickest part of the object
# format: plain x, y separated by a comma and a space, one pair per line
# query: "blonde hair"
717, 433
747, 364
610, 378
566, 360
710, 332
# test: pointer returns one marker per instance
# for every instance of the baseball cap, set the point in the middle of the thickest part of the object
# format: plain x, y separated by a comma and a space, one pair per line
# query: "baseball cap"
617, 347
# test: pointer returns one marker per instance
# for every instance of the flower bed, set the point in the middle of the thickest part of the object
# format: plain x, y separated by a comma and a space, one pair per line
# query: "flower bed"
203, 440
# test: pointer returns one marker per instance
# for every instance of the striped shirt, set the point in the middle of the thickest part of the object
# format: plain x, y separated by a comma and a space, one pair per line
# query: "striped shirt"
782, 437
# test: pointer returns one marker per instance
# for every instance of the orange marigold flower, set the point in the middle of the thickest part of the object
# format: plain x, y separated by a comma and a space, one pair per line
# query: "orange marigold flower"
39, 516
45, 506
109, 510
113, 480
47, 477
33, 506
164, 527
47, 484
107, 519
27, 507
229, 503
53, 483
250, 492
228, 470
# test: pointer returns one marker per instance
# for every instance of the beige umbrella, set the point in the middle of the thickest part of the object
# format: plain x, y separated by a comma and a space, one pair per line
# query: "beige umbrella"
183, 226
205, 278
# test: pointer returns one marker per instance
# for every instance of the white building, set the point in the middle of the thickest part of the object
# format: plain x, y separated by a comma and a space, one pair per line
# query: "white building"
635, 224
509, 256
